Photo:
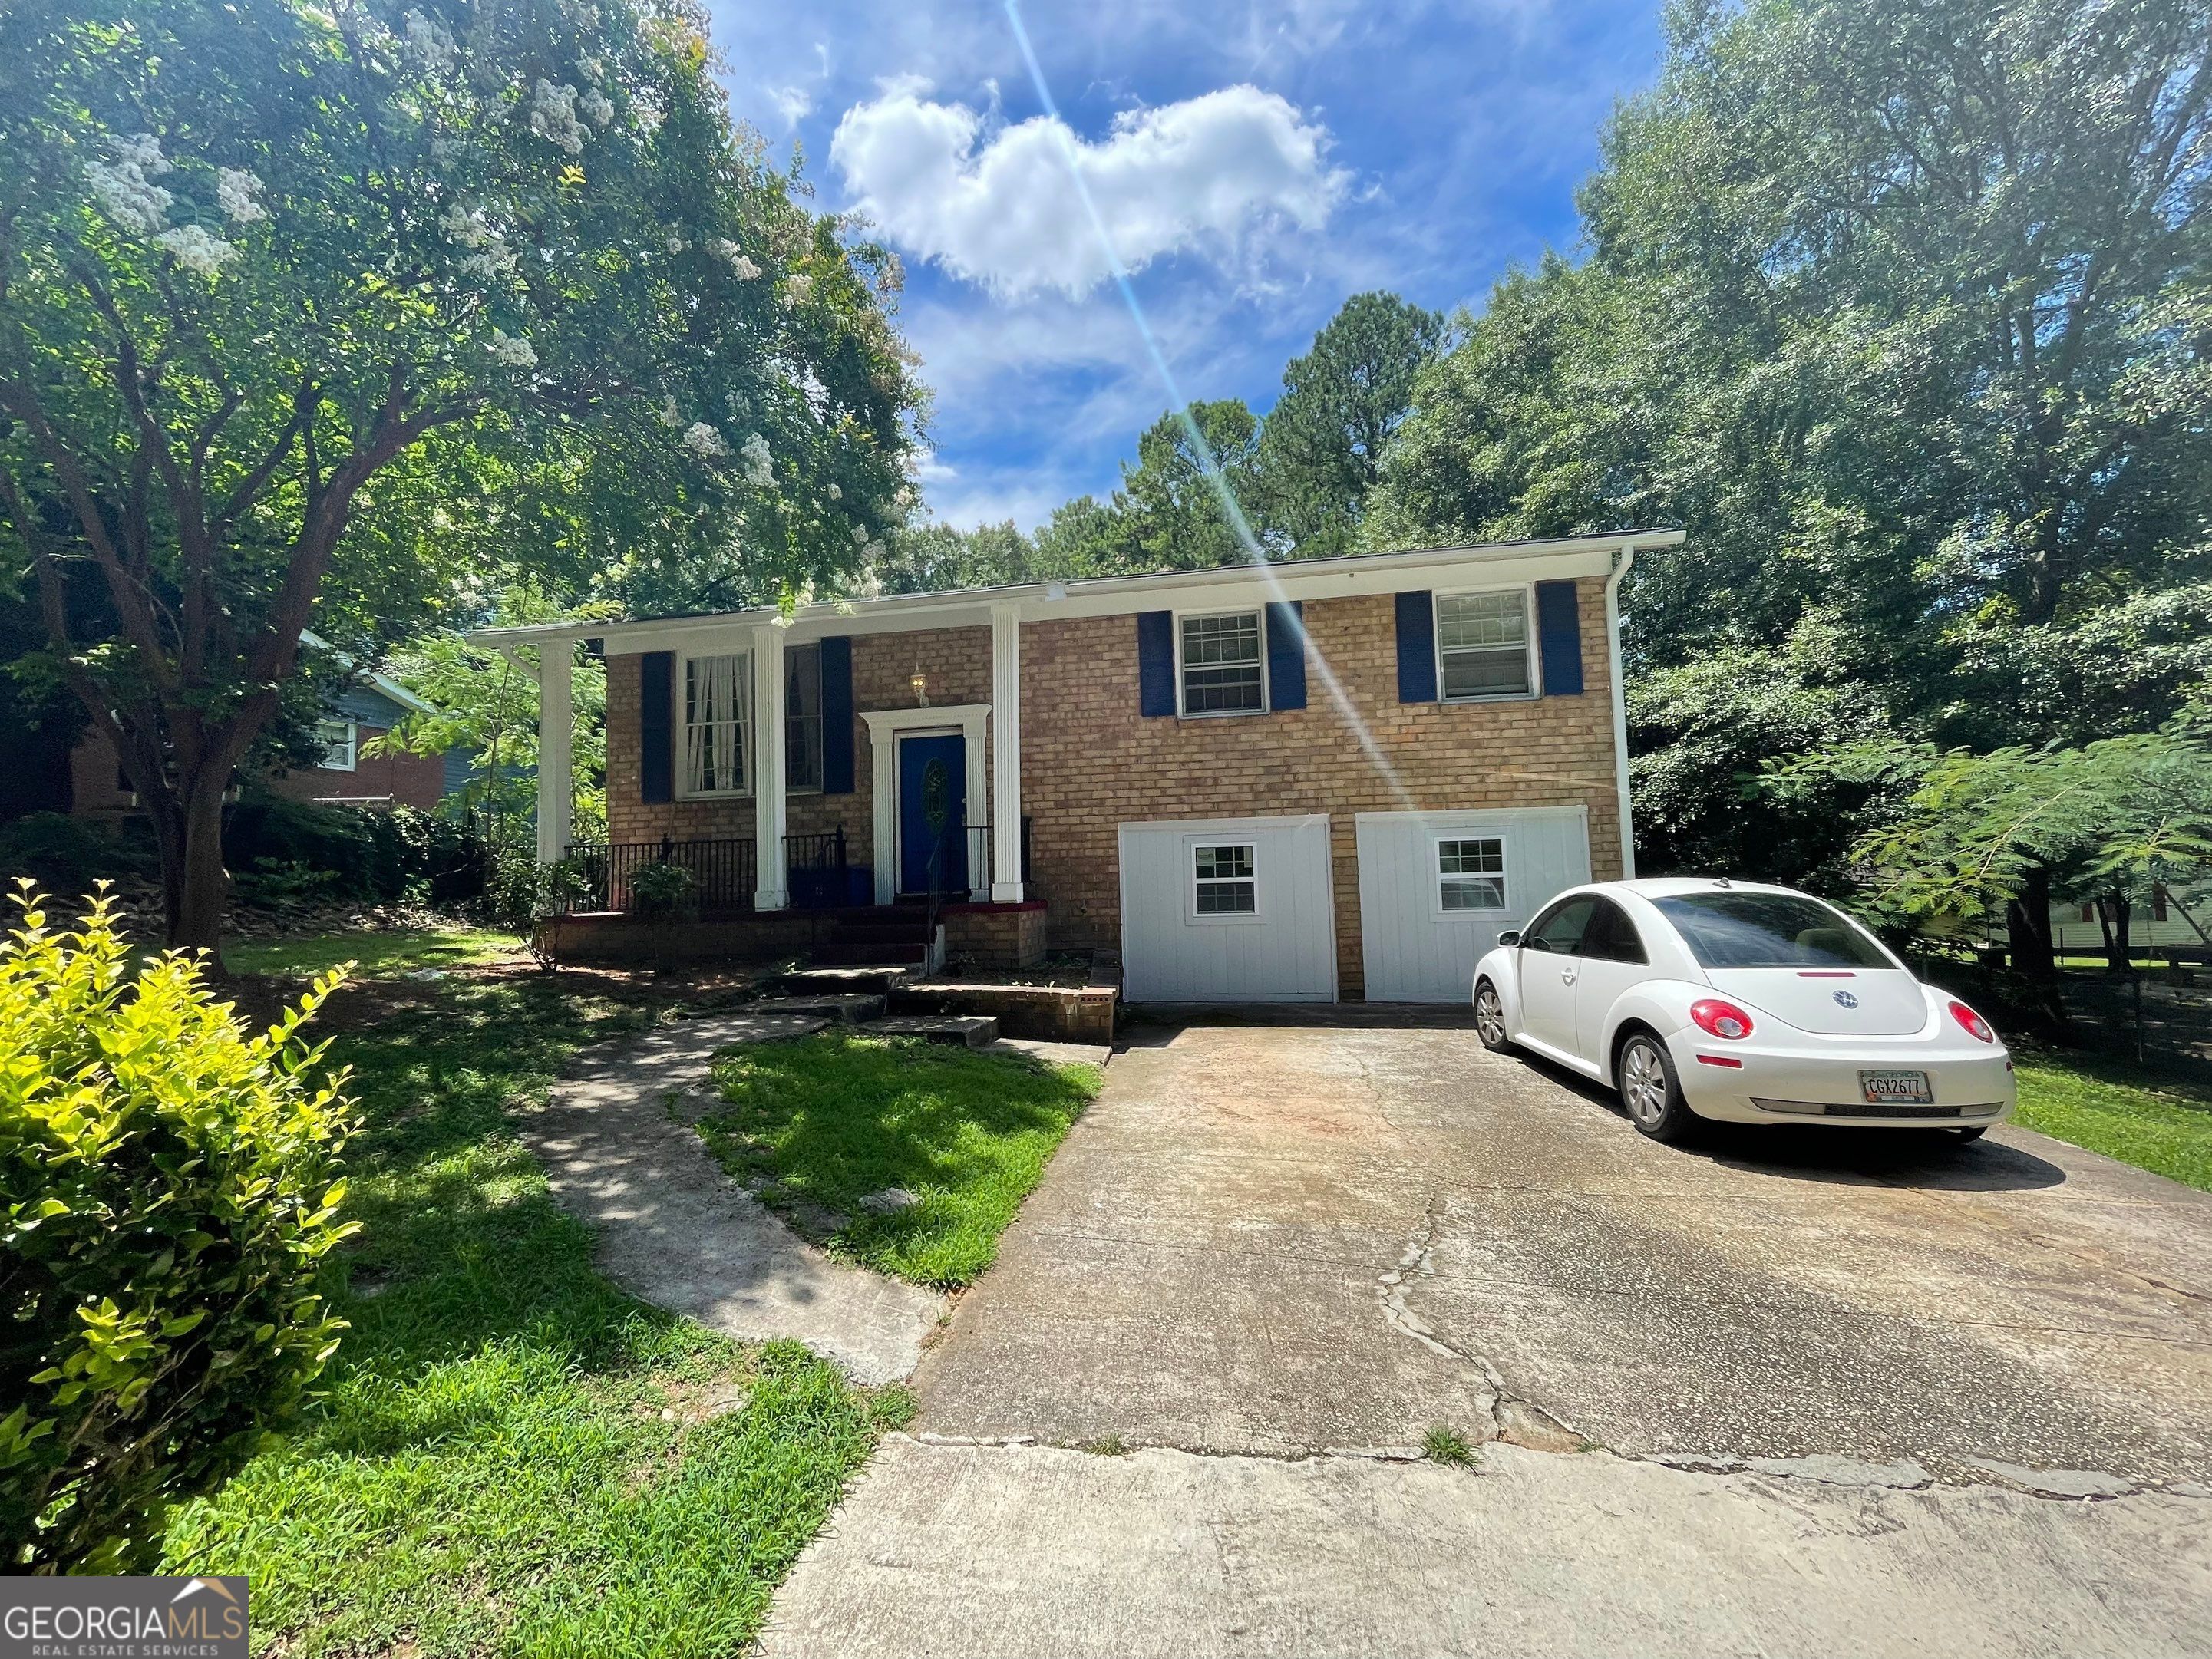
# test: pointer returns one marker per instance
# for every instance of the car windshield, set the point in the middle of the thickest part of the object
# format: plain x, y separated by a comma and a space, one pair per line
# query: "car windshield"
1768, 930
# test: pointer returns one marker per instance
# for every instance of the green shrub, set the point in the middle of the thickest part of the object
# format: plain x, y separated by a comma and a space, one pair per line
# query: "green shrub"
663, 891
169, 1181
367, 853
59, 852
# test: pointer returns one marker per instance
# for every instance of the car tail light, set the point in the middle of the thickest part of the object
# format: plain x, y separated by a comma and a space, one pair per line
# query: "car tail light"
1721, 1019
1973, 1024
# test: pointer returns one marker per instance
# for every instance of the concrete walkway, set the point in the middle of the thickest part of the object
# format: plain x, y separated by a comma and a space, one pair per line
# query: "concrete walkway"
676, 1232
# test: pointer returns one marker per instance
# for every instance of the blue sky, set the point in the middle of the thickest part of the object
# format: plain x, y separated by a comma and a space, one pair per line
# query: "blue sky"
1255, 165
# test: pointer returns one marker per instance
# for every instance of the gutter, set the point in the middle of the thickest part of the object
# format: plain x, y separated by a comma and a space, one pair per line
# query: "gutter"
1623, 557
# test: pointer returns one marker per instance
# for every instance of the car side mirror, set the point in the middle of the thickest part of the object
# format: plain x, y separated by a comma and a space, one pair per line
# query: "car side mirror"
1509, 938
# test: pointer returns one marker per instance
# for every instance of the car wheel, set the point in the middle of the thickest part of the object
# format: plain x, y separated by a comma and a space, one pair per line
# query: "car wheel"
1973, 1134
1490, 1017
1650, 1091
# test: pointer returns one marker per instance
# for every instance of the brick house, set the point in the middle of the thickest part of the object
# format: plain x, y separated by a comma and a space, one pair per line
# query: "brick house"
1330, 779
368, 708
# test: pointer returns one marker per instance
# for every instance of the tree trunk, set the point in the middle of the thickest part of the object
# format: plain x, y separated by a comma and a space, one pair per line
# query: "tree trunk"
2119, 949
2027, 922
202, 884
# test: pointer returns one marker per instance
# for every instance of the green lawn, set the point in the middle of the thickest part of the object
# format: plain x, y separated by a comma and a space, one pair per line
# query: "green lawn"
824, 1120
514, 1456
375, 955
2153, 1123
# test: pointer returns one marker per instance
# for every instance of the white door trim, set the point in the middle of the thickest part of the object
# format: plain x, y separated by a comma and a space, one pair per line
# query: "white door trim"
885, 726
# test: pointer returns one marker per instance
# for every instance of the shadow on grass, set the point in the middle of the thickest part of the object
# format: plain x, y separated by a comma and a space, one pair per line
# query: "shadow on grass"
819, 1125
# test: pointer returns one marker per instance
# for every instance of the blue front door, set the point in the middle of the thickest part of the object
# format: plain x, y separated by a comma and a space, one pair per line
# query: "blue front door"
933, 792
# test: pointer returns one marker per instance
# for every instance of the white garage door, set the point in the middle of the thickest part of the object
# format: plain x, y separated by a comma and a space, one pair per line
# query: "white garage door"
1227, 910
1436, 889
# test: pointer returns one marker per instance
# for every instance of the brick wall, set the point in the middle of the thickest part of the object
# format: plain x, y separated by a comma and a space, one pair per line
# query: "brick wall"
417, 780
1091, 763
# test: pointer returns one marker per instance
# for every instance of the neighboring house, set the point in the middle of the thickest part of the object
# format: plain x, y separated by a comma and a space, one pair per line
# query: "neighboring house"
371, 706
1334, 778
2170, 919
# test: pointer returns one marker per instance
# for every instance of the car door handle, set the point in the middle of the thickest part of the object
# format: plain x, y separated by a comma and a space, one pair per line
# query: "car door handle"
1567, 978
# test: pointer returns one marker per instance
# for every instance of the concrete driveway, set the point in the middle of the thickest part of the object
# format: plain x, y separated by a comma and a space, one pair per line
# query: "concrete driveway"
1785, 1389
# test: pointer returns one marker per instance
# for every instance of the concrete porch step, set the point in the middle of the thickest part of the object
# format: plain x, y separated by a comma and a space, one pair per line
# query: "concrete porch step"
975, 1031
841, 955
848, 1007
841, 981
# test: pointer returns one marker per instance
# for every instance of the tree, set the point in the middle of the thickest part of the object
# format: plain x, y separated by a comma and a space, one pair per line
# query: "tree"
1176, 519
280, 286
1322, 446
484, 703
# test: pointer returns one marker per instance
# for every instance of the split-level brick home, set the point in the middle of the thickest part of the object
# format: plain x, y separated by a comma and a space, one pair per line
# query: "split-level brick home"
1329, 780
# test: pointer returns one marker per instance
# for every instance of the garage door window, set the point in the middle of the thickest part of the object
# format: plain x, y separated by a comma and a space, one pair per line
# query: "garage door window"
1224, 880
1221, 672
1471, 873
1482, 645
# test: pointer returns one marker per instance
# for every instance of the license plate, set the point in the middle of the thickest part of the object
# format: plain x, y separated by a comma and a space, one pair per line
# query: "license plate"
1898, 1088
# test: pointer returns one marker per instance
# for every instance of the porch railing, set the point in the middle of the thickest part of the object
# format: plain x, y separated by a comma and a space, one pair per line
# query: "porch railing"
722, 872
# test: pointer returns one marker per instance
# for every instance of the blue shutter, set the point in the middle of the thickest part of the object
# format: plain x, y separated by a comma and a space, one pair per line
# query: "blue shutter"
1286, 656
1156, 692
837, 717
1559, 631
1417, 648
656, 709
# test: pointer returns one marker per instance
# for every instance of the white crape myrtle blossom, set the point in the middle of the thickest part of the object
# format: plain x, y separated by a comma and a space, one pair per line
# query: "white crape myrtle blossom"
553, 116
723, 249
594, 68
492, 257
873, 552
798, 288
429, 41
599, 109
196, 248
704, 441
124, 187
836, 493
238, 191
511, 352
758, 469
676, 244
859, 535
670, 415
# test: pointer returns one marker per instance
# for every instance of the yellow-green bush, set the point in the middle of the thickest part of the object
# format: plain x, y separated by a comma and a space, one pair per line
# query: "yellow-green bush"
168, 1183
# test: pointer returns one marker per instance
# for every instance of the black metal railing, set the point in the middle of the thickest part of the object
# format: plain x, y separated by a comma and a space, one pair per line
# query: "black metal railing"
816, 869
722, 872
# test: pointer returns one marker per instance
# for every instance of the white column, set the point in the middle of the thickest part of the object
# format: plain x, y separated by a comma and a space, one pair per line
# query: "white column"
556, 796
1005, 754
772, 884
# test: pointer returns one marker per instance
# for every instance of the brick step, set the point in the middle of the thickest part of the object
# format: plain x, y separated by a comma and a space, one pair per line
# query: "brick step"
841, 954
841, 981
881, 932
848, 1007
975, 1031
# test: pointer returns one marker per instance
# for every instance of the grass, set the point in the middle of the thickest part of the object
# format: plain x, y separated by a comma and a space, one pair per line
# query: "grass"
1447, 1445
375, 955
2141, 1118
817, 1124
514, 1455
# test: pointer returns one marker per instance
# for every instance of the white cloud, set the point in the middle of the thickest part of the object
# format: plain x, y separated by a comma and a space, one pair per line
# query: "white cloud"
793, 103
995, 205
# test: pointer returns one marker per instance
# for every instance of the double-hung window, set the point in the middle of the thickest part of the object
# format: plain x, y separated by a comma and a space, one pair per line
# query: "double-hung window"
802, 716
717, 701
341, 743
1224, 880
1471, 872
1482, 646
1221, 671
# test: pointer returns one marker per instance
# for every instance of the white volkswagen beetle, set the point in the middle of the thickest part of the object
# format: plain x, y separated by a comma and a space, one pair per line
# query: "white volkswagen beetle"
1713, 998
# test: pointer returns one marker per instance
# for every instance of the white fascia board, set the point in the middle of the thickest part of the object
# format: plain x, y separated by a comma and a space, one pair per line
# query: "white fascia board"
384, 683
1500, 564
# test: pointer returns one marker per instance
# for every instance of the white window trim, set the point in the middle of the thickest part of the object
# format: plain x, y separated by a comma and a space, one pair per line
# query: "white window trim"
324, 763
1534, 644
1192, 915
679, 728
1444, 912
1267, 691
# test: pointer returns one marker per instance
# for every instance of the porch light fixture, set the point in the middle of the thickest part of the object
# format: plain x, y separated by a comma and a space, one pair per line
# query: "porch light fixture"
921, 683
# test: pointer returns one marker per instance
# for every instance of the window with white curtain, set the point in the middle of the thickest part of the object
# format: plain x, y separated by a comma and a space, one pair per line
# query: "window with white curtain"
717, 723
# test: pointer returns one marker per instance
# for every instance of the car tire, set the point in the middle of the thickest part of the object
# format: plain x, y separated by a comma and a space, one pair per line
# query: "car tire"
1650, 1091
1490, 1017
1968, 1137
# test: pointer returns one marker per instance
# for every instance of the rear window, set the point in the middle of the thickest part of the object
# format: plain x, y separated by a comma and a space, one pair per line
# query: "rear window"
1768, 930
